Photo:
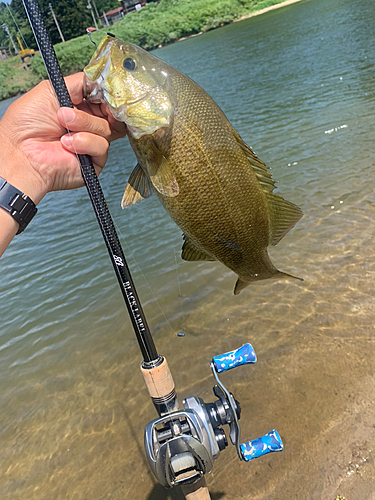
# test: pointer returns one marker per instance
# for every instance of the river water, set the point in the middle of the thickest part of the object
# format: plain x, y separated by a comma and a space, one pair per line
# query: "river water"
298, 84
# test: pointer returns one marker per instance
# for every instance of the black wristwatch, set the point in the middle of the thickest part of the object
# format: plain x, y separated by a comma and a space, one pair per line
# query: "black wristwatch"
19, 206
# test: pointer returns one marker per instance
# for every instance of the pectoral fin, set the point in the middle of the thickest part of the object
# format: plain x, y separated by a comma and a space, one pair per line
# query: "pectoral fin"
160, 172
138, 188
191, 253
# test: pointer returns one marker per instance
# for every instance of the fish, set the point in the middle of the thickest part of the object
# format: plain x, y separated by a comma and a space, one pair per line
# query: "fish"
209, 181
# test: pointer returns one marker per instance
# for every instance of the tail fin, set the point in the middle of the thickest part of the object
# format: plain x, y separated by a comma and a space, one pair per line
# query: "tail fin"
240, 285
243, 283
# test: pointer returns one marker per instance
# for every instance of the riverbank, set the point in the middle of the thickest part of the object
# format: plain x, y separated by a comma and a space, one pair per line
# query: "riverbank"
154, 26
266, 9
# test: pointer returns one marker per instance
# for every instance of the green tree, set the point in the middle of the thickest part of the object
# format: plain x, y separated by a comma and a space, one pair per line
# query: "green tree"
72, 15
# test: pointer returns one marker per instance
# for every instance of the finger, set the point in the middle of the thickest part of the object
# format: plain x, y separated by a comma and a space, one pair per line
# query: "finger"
75, 84
85, 143
119, 129
80, 121
87, 146
91, 109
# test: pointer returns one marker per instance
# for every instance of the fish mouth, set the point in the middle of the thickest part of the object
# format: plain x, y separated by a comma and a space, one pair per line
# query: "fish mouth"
93, 92
118, 103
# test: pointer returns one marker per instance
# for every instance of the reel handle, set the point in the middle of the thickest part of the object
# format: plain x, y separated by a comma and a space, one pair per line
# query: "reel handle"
268, 443
244, 355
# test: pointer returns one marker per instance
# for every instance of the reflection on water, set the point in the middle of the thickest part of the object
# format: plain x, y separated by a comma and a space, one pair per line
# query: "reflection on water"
298, 84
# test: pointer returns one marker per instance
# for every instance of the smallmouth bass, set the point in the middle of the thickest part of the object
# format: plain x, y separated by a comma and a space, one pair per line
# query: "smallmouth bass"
210, 182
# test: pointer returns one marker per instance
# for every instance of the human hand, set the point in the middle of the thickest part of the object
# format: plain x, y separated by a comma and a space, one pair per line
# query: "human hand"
37, 156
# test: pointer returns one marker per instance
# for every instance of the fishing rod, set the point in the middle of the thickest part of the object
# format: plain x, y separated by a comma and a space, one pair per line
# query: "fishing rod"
182, 444
95, 192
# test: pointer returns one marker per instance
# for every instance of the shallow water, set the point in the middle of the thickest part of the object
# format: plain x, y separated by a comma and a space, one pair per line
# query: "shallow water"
298, 84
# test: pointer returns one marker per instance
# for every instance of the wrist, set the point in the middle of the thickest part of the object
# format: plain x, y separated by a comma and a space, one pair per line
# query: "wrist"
17, 204
16, 169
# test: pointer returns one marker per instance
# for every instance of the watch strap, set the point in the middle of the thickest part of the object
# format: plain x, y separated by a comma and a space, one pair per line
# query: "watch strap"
17, 204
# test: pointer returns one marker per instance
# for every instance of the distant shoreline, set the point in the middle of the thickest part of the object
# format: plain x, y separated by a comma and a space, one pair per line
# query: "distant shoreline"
246, 16
267, 9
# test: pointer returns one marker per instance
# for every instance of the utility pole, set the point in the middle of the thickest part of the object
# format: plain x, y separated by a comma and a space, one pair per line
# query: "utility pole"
16, 25
105, 19
96, 10
6, 29
92, 14
57, 24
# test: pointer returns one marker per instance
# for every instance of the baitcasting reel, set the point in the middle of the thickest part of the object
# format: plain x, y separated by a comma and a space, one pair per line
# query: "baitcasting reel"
182, 446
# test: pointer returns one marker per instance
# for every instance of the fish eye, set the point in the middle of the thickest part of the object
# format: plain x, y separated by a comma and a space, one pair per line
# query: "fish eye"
129, 64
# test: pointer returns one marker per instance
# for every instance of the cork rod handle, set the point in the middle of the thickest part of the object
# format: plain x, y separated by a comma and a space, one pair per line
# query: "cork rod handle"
158, 380
196, 491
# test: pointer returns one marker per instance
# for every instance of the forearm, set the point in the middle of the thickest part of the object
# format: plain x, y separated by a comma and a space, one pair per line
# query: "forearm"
8, 229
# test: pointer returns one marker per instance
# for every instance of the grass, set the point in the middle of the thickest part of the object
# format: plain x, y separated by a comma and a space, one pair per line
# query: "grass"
157, 24
14, 79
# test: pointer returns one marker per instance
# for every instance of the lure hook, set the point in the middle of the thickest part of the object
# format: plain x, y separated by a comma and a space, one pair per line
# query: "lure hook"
88, 31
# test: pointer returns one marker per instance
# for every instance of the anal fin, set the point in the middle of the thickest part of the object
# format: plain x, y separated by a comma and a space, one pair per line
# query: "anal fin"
191, 253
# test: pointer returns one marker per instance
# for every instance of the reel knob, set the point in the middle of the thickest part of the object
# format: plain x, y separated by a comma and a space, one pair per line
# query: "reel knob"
244, 355
268, 443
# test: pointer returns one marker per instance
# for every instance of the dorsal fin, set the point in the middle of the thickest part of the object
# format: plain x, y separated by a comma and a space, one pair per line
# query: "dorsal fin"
283, 215
260, 169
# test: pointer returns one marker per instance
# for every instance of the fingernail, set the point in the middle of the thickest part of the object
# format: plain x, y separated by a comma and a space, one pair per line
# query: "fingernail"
67, 140
68, 114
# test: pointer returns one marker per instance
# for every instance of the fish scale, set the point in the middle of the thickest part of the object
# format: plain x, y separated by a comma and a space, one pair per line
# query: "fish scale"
227, 220
208, 180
